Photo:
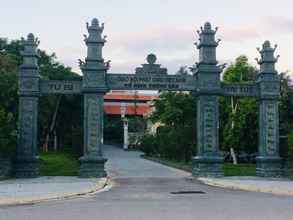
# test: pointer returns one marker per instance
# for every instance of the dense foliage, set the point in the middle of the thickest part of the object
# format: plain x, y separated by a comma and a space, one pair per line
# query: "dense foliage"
238, 115
175, 138
176, 112
68, 108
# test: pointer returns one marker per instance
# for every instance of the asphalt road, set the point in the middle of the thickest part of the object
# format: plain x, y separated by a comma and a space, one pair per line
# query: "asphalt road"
143, 189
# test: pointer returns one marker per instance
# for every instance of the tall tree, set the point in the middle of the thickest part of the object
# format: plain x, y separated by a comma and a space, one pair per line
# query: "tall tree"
176, 112
239, 131
52, 111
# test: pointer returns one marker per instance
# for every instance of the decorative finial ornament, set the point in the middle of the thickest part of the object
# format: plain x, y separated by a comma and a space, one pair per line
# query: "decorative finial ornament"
207, 44
267, 53
151, 58
30, 52
207, 36
95, 41
207, 26
30, 37
95, 21
268, 59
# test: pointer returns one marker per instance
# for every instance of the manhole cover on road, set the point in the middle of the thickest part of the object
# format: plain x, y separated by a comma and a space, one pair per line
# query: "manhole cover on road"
188, 192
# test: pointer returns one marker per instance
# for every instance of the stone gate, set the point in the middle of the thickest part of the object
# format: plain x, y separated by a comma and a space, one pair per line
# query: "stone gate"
205, 84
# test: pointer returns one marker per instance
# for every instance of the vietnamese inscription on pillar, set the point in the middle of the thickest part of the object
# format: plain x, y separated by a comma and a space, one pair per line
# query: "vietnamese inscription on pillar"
271, 132
209, 111
27, 123
94, 123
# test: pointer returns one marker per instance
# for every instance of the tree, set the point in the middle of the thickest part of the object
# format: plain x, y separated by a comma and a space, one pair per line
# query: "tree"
62, 118
239, 115
286, 103
183, 71
8, 104
176, 136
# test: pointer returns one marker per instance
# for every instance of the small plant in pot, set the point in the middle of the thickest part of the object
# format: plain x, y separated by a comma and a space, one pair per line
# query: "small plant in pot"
7, 143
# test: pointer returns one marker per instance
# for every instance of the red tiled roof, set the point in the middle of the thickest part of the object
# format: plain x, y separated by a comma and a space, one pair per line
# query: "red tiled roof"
130, 110
121, 96
113, 100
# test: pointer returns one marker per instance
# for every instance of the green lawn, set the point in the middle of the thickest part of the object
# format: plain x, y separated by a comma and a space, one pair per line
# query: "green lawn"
228, 168
244, 169
58, 164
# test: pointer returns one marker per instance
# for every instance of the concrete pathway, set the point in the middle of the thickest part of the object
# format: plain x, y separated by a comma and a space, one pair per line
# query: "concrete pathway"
277, 186
145, 190
25, 191
129, 164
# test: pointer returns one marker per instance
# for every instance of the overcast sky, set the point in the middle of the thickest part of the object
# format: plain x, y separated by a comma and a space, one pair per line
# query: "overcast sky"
167, 28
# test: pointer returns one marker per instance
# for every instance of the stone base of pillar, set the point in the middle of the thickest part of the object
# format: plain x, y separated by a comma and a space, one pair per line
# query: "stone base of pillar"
92, 167
269, 167
207, 166
27, 168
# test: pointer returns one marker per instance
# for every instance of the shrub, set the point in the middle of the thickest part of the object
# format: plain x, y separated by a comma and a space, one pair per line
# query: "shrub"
168, 143
148, 145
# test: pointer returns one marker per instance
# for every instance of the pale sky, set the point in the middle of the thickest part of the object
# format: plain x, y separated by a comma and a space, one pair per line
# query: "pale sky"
167, 28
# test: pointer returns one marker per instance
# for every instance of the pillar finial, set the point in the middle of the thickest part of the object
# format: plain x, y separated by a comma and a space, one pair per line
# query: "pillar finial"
95, 41
268, 59
30, 51
207, 45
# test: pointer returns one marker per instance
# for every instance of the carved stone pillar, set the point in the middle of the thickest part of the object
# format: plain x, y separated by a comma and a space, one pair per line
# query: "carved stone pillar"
94, 87
208, 160
269, 163
26, 159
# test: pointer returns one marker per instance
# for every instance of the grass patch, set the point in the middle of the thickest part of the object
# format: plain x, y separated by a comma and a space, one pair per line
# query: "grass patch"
229, 169
58, 164
244, 169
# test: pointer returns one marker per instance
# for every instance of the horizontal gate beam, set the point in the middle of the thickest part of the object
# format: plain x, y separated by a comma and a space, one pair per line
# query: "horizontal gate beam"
146, 82
60, 86
151, 82
237, 89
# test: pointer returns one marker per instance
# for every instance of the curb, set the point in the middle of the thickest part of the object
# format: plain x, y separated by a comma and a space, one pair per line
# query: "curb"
227, 184
100, 185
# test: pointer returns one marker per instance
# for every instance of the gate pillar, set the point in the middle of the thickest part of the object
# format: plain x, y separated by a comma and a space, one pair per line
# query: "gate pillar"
26, 165
94, 87
269, 163
208, 161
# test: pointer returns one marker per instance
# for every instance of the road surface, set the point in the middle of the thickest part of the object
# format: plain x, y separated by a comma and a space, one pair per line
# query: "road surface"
144, 190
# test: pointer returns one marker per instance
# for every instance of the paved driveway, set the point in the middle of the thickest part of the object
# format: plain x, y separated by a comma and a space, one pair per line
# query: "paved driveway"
142, 190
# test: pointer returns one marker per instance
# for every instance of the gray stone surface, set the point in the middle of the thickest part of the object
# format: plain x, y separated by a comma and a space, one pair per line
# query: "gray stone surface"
276, 186
141, 190
208, 160
94, 71
269, 163
24, 191
26, 159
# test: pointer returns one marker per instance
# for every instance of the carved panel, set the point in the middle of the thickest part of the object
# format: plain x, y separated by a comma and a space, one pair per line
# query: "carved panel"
28, 84
94, 120
209, 123
28, 114
271, 128
93, 79
270, 88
